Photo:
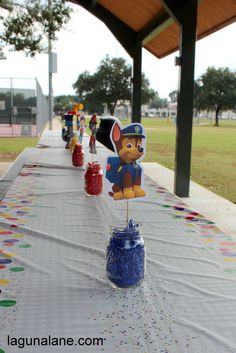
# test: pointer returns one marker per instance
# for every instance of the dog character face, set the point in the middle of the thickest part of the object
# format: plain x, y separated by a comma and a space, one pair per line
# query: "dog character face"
128, 142
131, 149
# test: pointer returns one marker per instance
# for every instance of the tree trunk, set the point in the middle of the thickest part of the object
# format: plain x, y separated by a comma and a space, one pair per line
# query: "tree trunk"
217, 117
111, 108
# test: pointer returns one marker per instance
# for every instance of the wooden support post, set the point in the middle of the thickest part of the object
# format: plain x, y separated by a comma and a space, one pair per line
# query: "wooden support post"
185, 13
136, 84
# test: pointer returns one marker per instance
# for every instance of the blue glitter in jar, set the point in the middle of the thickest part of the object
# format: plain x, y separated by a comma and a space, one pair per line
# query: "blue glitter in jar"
126, 256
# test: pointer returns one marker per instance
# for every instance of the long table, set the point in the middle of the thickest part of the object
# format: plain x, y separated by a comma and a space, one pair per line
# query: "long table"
54, 293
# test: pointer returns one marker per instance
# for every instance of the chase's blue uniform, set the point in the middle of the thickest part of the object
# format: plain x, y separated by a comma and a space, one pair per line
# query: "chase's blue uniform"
133, 169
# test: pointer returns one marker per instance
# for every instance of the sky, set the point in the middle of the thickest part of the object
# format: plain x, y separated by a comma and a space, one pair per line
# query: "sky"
86, 41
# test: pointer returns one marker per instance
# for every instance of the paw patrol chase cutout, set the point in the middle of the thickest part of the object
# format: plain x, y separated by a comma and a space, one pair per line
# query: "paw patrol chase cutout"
124, 170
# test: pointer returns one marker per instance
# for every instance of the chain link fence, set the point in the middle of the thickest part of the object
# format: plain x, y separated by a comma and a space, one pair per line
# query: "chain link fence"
23, 107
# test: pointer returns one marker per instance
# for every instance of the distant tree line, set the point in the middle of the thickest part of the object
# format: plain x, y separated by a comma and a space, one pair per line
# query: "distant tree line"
111, 85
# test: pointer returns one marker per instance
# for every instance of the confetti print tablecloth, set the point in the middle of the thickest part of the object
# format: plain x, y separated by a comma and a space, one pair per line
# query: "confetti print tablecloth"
52, 268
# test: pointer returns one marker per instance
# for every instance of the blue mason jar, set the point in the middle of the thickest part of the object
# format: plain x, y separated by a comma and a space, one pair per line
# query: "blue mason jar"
125, 265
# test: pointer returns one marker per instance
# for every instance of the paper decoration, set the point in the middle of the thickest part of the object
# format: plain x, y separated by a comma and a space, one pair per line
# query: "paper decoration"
93, 129
124, 171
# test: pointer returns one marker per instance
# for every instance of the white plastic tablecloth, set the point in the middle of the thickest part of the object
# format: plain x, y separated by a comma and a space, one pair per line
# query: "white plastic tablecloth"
52, 268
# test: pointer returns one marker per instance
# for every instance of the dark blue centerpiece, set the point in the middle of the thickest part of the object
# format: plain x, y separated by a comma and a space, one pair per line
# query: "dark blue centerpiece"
126, 256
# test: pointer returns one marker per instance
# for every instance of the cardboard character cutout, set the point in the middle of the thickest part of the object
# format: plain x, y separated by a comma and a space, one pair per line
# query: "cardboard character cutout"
124, 171
93, 129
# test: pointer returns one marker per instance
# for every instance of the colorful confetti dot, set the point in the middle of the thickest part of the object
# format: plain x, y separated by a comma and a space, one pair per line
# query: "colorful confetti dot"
229, 259
4, 282
10, 241
17, 269
5, 232
5, 261
8, 254
24, 246
7, 303
194, 214
18, 236
178, 208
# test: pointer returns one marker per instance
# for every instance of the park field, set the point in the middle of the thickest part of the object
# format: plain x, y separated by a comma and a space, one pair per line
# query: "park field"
10, 147
213, 151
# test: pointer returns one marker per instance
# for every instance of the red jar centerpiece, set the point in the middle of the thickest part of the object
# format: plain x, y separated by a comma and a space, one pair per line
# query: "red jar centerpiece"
93, 179
78, 156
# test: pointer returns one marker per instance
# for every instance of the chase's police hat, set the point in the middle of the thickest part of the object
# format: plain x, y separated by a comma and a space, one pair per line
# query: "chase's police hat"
133, 130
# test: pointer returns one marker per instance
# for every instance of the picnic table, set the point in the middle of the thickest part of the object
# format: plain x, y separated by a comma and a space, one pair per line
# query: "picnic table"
54, 292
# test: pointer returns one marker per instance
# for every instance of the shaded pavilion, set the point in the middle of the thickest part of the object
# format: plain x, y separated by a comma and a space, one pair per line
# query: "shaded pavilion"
162, 27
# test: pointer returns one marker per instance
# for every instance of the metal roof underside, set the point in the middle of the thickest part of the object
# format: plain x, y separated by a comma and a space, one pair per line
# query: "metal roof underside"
148, 22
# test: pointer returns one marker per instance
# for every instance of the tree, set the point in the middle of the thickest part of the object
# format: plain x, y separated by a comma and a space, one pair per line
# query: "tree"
85, 87
109, 85
216, 90
27, 24
147, 93
64, 102
157, 102
173, 96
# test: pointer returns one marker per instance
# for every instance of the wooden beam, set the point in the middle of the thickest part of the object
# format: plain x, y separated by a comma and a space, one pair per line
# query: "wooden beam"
151, 30
174, 8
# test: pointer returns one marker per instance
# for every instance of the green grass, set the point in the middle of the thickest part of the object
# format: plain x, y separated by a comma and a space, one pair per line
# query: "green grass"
214, 159
213, 153
11, 147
